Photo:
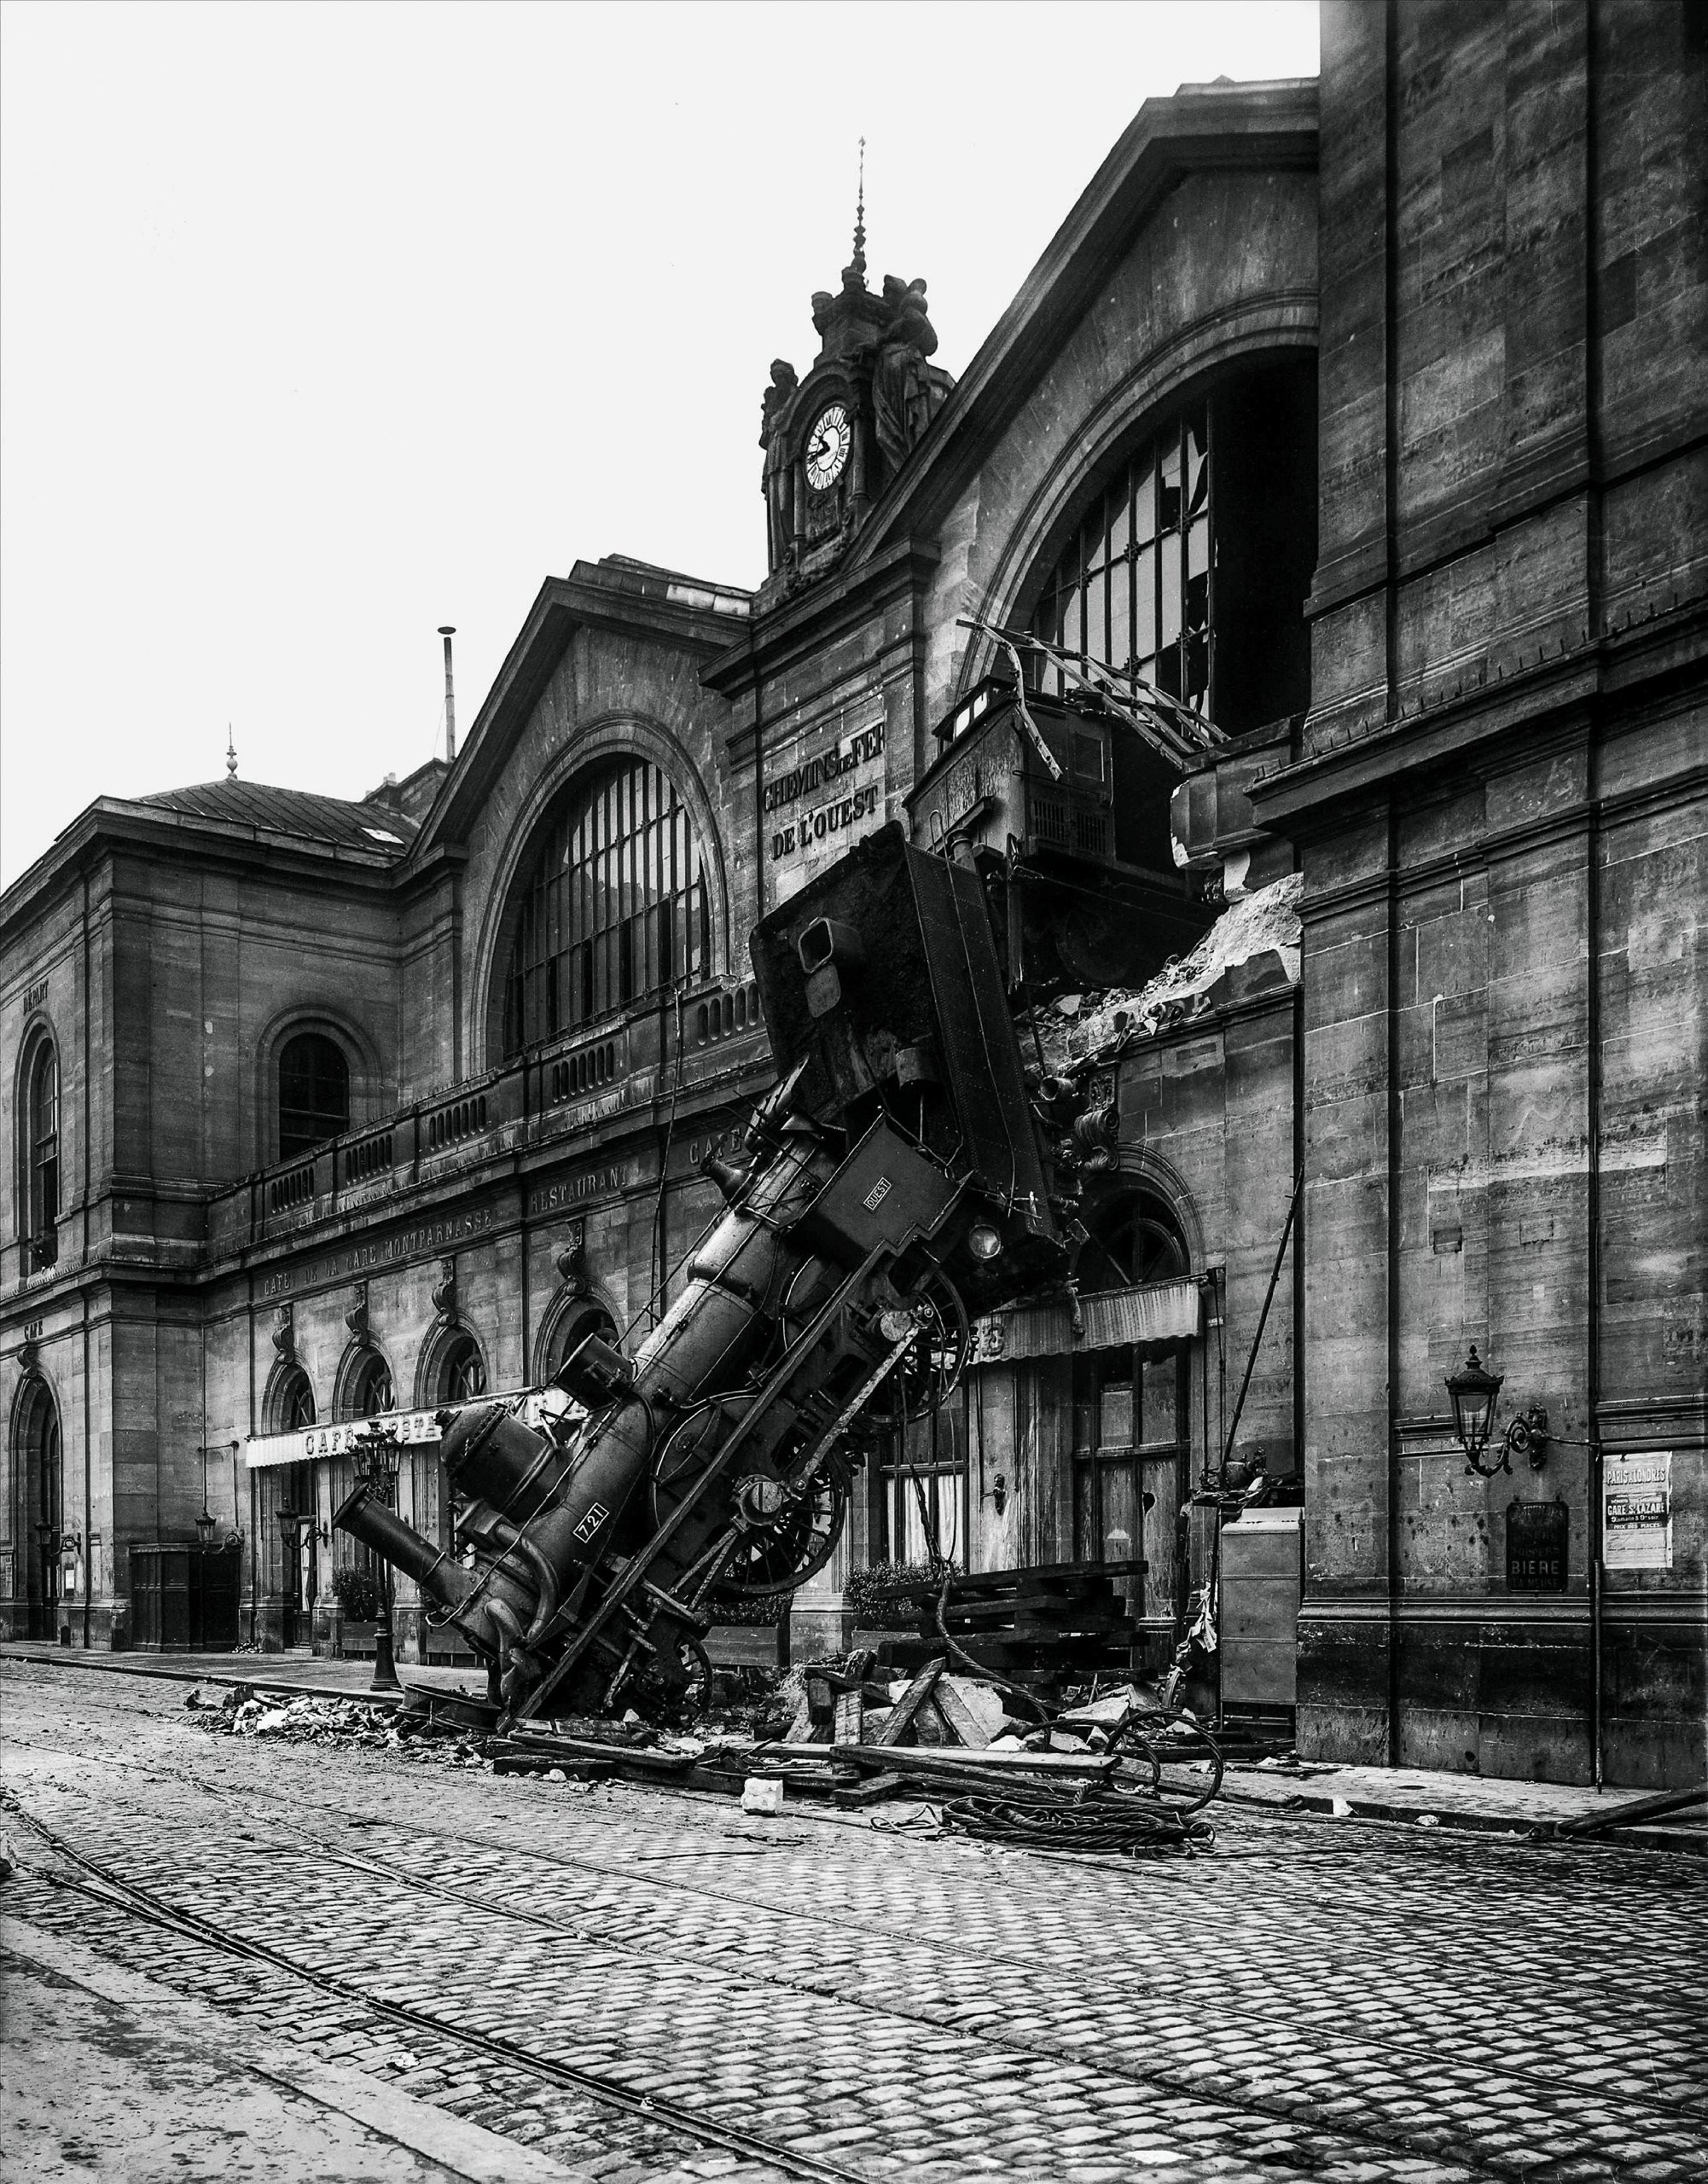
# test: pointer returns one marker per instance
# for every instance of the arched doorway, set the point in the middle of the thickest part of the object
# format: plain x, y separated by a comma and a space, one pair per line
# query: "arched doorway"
39, 1474
296, 1526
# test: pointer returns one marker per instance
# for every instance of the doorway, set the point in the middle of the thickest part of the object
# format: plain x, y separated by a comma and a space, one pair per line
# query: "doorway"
41, 1477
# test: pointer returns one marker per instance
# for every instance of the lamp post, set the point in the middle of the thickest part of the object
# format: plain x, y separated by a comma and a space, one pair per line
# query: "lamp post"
378, 1456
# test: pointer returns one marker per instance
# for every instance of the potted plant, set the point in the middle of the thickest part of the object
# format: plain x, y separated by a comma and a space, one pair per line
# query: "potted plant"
881, 1598
749, 1633
360, 1602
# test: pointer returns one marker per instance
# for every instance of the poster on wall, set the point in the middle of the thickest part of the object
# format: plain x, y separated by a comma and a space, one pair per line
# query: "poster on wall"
1636, 1510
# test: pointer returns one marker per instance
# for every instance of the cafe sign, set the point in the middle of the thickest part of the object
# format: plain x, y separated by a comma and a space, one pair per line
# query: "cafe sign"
264, 1451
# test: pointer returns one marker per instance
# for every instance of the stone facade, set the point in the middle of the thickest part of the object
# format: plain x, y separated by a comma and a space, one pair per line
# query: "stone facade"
1460, 662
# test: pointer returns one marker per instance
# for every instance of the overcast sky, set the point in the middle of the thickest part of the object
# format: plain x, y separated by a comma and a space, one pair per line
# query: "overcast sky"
322, 325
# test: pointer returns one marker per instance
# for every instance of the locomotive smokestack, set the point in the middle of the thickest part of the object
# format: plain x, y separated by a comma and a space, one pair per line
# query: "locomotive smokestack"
447, 630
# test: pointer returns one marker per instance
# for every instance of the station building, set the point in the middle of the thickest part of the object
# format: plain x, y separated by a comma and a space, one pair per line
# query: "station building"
1363, 417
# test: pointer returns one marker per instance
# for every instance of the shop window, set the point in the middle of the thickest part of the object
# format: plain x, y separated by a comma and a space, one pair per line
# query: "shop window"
1130, 1422
314, 1093
611, 909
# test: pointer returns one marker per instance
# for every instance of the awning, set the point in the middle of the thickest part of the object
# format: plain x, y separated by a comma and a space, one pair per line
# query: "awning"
265, 1450
1148, 1312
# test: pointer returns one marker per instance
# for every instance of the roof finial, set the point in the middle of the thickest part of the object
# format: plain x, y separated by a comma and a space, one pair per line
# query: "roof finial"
860, 216
230, 754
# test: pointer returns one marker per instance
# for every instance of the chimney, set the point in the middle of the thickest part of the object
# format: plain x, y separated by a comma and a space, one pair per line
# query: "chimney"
447, 630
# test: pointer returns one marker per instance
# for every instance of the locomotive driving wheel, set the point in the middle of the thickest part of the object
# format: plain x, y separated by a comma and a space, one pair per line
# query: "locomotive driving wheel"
787, 1537
785, 1533
930, 1367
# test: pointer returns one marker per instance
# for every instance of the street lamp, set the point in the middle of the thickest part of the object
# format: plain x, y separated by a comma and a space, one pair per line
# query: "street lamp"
378, 1457
1475, 1390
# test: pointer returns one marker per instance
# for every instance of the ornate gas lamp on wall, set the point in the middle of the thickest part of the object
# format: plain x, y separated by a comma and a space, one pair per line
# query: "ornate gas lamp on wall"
1475, 1390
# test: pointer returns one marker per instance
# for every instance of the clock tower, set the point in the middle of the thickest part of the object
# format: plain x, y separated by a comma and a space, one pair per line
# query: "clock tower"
834, 440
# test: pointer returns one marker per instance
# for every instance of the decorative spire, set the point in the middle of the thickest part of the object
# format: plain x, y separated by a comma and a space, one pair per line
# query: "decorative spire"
860, 218
230, 754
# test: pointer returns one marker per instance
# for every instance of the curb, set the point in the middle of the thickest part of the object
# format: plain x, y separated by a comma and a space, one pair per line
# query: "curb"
292, 1689
1693, 1843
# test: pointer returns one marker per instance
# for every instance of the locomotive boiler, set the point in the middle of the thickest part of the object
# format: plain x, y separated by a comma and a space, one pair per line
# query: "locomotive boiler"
889, 1189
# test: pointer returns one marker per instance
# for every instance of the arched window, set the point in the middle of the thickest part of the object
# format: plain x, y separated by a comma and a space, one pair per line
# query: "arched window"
587, 1317
295, 1403
1190, 562
39, 1157
462, 1371
370, 1390
314, 1093
612, 908
1134, 1238
1133, 588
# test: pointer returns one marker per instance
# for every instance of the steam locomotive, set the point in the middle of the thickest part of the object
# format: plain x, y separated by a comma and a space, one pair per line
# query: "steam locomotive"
892, 1187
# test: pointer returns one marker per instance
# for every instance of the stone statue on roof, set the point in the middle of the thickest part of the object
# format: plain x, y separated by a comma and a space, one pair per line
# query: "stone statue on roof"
904, 396
775, 404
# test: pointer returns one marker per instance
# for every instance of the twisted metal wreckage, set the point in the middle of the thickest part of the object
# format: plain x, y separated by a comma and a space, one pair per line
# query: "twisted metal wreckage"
902, 1179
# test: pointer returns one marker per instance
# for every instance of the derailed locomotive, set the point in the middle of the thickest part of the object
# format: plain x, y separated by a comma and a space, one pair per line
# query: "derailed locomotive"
893, 1186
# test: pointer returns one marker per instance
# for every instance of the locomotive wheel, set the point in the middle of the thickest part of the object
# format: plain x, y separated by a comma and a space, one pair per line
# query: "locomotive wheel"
696, 1669
777, 1559
787, 1542
930, 1369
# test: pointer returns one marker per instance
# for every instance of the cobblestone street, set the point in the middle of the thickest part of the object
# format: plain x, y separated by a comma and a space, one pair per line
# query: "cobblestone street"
405, 1969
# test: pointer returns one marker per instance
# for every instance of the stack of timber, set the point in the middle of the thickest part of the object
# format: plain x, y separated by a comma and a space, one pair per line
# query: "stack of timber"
1057, 1624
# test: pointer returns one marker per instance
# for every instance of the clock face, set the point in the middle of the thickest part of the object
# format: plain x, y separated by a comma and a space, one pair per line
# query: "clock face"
826, 447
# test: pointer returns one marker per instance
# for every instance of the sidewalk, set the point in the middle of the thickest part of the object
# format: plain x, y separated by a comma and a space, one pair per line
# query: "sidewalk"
1417, 1796
297, 1673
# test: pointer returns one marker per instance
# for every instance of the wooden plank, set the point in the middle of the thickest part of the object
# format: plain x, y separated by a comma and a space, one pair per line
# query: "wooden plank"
871, 1789
963, 1727
902, 1714
1641, 1809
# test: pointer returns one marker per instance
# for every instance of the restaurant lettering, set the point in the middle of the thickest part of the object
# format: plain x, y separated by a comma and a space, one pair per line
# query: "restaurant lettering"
596, 1182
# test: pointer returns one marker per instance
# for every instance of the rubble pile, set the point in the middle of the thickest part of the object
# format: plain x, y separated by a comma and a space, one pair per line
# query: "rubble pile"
1113, 1772
243, 1711
1080, 1030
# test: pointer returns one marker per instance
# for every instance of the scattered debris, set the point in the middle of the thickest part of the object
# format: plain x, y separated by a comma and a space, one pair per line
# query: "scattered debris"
1134, 1776
1087, 1028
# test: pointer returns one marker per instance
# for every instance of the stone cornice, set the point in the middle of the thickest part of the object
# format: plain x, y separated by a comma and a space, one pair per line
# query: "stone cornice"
654, 606
1474, 726
838, 606
1203, 128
